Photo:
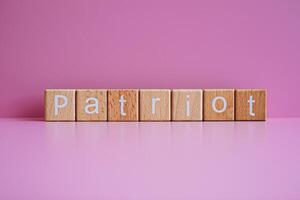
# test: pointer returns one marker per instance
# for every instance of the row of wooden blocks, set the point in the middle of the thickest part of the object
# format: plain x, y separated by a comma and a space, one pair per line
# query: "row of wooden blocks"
155, 104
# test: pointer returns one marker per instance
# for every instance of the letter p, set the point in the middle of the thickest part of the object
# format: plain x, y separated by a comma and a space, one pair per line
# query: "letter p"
57, 105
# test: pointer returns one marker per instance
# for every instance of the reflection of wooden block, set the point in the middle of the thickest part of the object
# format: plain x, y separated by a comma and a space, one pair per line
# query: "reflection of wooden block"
59, 105
219, 104
123, 105
187, 105
91, 105
250, 104
155, 105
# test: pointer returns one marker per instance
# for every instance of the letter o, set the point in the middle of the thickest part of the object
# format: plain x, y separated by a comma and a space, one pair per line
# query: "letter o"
213, 104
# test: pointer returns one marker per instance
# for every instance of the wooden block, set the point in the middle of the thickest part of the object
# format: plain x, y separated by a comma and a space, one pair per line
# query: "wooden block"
250, 104
155, 105
187, 105
219, 104
123, 105
91, 105
59, 105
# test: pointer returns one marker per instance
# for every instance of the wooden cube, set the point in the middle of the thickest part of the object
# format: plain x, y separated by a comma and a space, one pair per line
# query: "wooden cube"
187, 105
155, 105
123, 105
91, 105
250, 104
219, 104
59, 105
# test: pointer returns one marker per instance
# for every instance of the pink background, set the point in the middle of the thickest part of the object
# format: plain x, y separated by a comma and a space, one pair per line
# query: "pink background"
148, 44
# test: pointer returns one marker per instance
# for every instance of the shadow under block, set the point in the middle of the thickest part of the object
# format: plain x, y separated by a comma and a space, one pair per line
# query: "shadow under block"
250, 104
123, 105
187, 105
219, 104
59, 105
155, 105
91, 105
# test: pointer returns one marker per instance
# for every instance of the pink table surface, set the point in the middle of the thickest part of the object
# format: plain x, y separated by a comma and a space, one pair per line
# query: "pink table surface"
195, 160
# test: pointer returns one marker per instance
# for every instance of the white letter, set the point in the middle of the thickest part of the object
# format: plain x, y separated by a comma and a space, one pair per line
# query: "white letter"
96, 105
251, 101
154, 100
188, 105
56, 105
213, 103
122, 101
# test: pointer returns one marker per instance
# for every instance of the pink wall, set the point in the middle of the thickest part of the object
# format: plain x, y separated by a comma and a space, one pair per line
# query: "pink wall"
148, 44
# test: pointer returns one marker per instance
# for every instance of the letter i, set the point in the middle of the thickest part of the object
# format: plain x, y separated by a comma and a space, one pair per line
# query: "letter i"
187, 105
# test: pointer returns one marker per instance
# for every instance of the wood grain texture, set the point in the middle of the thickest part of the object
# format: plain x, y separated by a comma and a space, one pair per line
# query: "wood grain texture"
242, 104
82, 97
66, 113
131, 106
187, 105
209, 113
162, 107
